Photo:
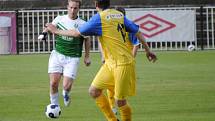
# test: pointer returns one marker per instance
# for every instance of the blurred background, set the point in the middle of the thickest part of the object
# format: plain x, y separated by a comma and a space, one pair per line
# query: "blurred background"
166, 24
47, 4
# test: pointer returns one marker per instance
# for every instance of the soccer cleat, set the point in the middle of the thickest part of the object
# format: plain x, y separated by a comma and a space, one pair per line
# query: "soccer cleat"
114, 110
67, 100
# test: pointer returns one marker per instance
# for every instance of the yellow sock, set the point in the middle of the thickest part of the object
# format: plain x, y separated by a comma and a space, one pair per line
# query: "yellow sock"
103, 104
125, 112
110, 94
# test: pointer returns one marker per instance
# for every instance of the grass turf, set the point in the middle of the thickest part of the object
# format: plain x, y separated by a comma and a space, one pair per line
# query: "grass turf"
180, 86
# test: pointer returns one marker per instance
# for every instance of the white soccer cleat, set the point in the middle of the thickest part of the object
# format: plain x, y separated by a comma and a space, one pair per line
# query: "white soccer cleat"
66, 100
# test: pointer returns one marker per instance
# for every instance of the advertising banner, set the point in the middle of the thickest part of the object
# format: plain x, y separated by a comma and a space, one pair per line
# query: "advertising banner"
165, 25
7, 32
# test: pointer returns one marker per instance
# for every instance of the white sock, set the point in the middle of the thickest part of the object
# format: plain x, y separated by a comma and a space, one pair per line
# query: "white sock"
65, 92
54, 98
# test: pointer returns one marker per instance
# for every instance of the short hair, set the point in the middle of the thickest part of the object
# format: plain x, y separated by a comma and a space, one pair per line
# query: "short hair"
78, 1
121, 9
103, 3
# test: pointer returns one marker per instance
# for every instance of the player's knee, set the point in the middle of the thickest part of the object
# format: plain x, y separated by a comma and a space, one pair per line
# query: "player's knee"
94, 92
121, 103
54, 84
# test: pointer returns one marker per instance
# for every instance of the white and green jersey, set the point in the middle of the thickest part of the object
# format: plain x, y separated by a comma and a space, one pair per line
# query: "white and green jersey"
69, 46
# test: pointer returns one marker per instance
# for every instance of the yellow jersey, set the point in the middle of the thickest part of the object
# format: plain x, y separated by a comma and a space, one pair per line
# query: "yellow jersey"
111, 26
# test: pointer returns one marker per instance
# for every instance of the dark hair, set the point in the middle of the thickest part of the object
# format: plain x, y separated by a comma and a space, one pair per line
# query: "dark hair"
104, 4
78, 1
121, 9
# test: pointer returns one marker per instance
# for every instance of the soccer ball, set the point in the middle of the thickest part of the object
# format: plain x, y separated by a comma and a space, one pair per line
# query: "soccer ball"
191, 47
53, 111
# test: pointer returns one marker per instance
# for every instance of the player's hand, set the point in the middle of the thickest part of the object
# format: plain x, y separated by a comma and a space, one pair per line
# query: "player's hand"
151, 56
103, 61
51, 28
43, 36
87, 61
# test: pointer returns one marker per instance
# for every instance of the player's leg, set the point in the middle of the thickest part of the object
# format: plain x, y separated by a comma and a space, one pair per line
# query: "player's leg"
69, 73
102, 103
67, 85
54, 70
111, 99
100, 82
54, 83
124, 87
124, 109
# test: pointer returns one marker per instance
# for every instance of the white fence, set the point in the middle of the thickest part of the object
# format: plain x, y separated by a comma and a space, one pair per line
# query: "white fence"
210, 30
31, 23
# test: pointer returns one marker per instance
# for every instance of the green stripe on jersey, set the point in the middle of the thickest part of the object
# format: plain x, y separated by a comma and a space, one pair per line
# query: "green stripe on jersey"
61, 26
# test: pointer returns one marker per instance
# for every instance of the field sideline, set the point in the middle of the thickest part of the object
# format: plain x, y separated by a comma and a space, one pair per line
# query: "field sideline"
179, 87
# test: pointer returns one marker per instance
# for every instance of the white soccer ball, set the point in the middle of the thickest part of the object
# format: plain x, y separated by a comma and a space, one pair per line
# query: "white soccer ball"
53, 111
191, 48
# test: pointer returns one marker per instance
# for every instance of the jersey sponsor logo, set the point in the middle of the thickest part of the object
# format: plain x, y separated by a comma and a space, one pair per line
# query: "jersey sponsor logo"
75, 25
114, 16
66, 38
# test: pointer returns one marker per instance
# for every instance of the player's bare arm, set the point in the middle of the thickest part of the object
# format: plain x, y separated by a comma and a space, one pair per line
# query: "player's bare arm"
150, 55
51, 28
87, 45
134, 50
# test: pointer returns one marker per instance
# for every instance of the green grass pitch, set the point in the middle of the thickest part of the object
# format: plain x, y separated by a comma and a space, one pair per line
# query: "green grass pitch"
180, 86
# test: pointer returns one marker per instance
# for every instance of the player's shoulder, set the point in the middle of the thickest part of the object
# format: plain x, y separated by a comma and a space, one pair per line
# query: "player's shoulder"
59, 17
111, 14
110, 11
81, 19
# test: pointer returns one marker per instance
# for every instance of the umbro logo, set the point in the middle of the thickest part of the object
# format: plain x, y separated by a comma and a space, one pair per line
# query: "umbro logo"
151, 25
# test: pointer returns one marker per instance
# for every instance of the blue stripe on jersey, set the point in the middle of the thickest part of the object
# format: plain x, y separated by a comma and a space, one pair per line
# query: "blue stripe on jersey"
130, 26
92, 27
133, 39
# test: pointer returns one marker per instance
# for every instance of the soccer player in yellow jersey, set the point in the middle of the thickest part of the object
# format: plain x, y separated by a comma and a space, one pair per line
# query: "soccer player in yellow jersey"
132, 41
133, 44
118, 72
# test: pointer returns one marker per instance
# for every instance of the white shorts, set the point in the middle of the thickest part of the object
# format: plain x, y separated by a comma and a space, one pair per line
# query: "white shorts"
66, 65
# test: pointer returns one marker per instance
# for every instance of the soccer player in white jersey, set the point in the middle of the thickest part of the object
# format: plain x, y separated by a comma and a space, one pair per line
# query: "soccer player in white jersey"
64, 59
